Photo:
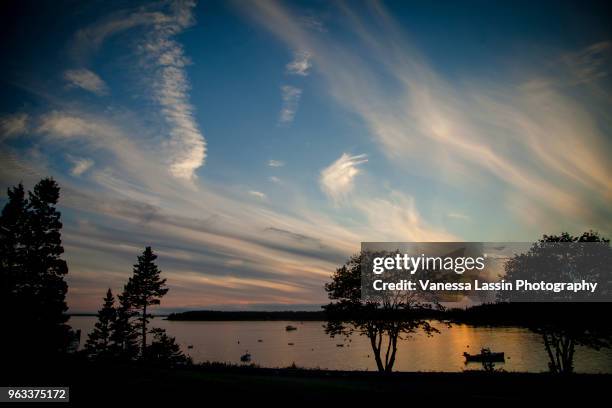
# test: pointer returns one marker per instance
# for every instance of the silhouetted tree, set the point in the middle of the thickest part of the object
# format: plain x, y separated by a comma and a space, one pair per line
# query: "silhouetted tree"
164, 350
98, 344
384, 321
32, 285
563, 326
145, 288
124, 336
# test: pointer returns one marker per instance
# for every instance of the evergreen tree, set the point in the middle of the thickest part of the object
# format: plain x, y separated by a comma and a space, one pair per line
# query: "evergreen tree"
32, 273
145, 288
164, 350
98, 344
123, 337
12, 232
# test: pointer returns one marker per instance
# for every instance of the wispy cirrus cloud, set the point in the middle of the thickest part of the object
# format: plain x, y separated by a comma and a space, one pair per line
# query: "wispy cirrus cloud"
275, 163
198, 233
291, 98
110, 142
454, 131
258, 194
590, 63
312, 23
337, 180
458, 216
89, 39
187, 145
163, 63
219, 243
87, 80
80, 165
301, 63
13, 125
395, 217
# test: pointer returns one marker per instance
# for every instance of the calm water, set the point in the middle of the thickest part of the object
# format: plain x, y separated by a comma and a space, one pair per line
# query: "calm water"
312, 348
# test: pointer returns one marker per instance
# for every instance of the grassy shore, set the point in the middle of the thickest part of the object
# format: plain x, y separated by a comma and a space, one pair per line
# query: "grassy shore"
112, 383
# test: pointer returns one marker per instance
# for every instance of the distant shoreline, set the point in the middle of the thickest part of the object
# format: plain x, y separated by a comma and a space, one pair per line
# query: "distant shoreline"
498, 314
216, 315
95, 314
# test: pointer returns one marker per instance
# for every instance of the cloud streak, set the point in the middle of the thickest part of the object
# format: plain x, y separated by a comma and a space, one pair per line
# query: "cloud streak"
286, 251
512, 140
337, 180
87, 80
187, 145
163, 62
13, 125
275, 163
219, 243
291, 98
301, 64
512, 134
258, 194
80, 166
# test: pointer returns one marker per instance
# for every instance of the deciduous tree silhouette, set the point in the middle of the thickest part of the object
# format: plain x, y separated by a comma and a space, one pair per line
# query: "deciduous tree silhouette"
32, 285
145, 288
383, 321
99, 343
563, 326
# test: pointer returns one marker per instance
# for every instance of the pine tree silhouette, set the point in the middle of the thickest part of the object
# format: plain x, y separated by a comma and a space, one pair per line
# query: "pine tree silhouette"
164, 350
98, 344
124, 337
32, 273
145, 288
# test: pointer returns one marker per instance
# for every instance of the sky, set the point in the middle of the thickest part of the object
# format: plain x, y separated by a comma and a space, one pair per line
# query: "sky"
254, 145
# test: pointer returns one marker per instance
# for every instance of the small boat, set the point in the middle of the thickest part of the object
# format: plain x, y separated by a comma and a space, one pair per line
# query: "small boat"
190, 346
340, 345
290, 344
260, 341
485, 355
290, 328
245, 358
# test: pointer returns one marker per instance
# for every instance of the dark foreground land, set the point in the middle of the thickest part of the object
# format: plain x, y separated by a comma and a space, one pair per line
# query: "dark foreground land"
95, 383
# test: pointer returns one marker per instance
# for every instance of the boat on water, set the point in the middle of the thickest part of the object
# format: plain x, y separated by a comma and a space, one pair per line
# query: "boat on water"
485, 355
245, 358
290, 328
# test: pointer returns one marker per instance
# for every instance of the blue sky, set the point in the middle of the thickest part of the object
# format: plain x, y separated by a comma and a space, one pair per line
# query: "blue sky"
254, 145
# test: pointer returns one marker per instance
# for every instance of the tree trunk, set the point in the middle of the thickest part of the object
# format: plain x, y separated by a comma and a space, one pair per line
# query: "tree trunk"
560, 349
374, 339
144, 330
393, 352
568, 355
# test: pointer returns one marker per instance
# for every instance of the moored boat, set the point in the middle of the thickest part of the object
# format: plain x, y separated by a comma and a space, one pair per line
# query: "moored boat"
485, 355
